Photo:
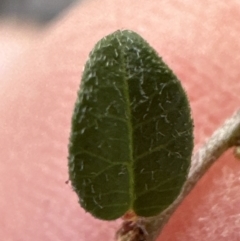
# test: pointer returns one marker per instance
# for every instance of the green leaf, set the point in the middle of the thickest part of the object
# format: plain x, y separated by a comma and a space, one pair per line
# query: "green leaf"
131, 139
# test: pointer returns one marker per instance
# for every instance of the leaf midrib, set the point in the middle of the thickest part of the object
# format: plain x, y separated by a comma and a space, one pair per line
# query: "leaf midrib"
130, 166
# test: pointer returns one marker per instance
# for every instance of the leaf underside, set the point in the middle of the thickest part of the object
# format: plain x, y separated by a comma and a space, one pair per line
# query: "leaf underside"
131, 139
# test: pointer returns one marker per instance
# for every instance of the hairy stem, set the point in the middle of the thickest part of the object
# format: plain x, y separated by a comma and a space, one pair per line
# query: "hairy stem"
227, 136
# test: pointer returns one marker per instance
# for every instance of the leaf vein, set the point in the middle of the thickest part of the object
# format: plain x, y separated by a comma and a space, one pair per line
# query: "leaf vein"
159, 185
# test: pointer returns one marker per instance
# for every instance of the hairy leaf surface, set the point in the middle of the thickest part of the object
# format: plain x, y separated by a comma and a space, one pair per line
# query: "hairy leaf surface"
131, 139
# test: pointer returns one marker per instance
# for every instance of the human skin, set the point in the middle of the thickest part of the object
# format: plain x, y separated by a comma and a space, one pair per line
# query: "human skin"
199, 40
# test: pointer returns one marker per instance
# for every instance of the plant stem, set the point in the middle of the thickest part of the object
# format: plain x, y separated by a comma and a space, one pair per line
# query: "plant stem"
227, 136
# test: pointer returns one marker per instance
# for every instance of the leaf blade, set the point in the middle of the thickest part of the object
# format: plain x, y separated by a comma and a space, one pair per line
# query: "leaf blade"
132, 113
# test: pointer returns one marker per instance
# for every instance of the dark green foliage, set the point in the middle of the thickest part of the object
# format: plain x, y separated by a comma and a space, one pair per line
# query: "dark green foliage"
131, 138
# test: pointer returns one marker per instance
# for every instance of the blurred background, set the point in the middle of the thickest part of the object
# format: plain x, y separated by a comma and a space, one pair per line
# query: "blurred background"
39, 11
21, 23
